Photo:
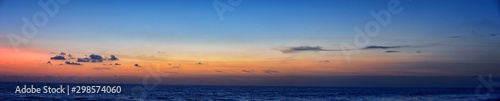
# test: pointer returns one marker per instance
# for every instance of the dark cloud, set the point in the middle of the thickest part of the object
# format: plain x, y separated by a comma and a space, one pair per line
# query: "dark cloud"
270, 71
117, 64
83, 60
96, 58
391, 51
247, 71
58, 58
137, 65
318, 48
113, 58
383, 47
303, 48
72, 63
101, 68
199, 63
48, 62
218, 71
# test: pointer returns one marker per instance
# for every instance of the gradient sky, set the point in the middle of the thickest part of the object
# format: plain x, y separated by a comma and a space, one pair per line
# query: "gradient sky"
434, 43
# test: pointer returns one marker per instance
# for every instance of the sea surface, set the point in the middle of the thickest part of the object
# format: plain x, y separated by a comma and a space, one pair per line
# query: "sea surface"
254, 93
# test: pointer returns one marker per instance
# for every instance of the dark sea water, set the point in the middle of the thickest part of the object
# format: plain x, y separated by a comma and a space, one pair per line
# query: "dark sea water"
237, 93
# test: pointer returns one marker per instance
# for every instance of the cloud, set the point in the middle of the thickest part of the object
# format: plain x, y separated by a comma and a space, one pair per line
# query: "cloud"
175, 66
58, 58
83, 60
137, 65
270, 71
72, 63
391, 51
325, 61
62, 53
161, 52
218, 71
117, 64
318, 48
113, 58
247, 71
96, 58
303, 48
91, 58
70, 56
383, 47
101, 68
200, 63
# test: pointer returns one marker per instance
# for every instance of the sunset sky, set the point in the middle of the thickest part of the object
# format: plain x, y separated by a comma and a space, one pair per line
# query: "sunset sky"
430, 43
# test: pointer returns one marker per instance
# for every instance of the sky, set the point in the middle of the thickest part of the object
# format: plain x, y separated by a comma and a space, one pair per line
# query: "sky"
428, 43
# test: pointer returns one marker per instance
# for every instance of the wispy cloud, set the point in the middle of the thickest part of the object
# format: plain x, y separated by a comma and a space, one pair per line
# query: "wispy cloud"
384, 47
391, 51
271, 71
200, 63
325, 61
319, 48
303, 48
247, 71
72, 63
62, 53
101, 68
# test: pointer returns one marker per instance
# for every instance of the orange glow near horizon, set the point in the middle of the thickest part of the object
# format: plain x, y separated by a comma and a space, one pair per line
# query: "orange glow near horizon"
33, 62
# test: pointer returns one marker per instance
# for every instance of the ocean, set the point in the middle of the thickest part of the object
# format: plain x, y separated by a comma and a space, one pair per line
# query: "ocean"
253, 93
